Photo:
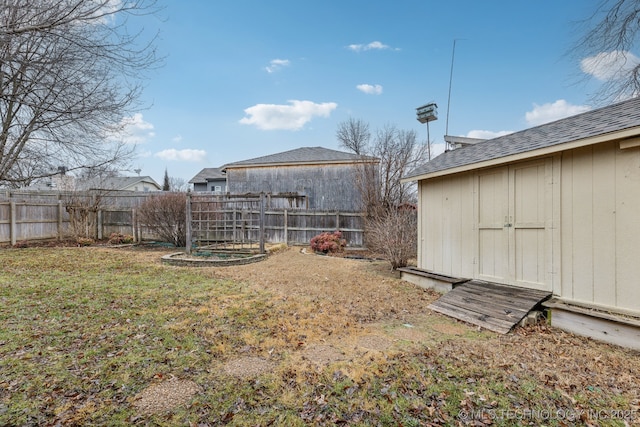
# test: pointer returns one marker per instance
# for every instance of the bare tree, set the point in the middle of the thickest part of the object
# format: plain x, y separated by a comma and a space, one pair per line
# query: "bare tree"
398, 151
70, 71
390, 221
178, 184
354, 135
605, 50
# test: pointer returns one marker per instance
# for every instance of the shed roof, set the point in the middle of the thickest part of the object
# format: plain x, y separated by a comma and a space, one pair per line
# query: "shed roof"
602, 121
303, 155
207, 174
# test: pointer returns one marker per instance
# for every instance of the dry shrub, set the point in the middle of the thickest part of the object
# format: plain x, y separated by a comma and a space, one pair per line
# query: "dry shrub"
393, 233
120, 238
165, 216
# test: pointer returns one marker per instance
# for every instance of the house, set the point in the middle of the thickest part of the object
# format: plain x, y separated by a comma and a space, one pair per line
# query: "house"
210, 179
118, 183
325, 177
555, 208
63, 182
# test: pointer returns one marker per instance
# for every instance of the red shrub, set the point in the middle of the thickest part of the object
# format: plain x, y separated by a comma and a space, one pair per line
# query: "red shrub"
328, 242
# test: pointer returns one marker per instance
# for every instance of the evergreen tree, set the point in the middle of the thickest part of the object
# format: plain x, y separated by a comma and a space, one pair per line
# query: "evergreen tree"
165, 185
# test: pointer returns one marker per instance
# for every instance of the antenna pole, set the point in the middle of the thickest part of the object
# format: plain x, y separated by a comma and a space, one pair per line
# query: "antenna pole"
453, 55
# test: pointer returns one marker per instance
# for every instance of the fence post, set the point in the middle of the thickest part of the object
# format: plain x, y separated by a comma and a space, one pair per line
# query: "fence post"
188, 224
99, 224
134, 220
262, 223
337, 221
60, 213
13, 230
286, 228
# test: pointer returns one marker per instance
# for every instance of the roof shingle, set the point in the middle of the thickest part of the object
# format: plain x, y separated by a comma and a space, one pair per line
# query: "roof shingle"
617, 117
301, 155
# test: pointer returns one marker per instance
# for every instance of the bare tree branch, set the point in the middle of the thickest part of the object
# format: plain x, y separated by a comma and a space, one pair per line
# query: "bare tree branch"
70, 71
605, 51
354, 135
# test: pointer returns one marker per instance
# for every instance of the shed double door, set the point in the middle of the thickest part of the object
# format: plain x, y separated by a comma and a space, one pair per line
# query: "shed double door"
514, 225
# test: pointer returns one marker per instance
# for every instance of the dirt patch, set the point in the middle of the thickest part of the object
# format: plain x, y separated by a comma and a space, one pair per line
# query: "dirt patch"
247, 367
323, 354
165, 396
375, 342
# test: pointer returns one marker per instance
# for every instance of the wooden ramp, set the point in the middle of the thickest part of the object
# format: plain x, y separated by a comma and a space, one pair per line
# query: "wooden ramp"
490, 305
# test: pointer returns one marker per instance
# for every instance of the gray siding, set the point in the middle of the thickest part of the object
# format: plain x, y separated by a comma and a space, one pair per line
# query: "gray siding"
329, 187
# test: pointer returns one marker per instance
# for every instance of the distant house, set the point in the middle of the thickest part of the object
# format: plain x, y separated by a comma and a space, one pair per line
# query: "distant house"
210, 179
326, 177
118, 183
553, 208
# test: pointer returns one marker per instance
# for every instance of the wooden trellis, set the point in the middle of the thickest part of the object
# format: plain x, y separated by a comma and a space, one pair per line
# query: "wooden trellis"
225, 222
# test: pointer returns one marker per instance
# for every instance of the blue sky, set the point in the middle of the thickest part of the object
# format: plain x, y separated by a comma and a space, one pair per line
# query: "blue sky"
247, 78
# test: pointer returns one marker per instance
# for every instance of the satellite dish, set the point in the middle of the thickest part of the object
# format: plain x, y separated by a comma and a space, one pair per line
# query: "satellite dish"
138, 171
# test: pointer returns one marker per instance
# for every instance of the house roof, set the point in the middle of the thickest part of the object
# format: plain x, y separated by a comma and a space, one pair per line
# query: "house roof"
607, 120
304, 155
207, 174
115, 183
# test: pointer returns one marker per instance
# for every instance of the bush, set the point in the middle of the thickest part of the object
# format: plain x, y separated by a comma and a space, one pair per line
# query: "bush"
165, 216
120, 239
84, 241
328, 242
394, 234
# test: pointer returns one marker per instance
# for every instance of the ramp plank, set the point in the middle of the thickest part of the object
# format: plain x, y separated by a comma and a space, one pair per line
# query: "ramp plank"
490, 305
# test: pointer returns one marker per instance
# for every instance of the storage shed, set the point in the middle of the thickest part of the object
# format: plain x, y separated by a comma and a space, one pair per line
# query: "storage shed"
326, 177
555, 208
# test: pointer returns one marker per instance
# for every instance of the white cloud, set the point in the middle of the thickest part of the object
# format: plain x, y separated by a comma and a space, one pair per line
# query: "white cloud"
144, 154
370, 89
177, 139
186, 155
609, 65
370, 46
277, 64
553, 111
286, 117
132, 130
487, 134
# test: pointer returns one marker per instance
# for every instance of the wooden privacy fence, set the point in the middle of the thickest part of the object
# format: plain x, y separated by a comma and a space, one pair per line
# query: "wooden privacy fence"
245, 222
25, 217
24, 221
28, 215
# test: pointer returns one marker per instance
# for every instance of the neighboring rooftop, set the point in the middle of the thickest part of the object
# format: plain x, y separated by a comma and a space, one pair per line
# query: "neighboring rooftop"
304, 155
207, 174
617, 117
115, 183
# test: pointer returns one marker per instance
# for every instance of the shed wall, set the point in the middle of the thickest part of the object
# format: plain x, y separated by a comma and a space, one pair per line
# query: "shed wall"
328, 187
600, 227
447, 225
594, 230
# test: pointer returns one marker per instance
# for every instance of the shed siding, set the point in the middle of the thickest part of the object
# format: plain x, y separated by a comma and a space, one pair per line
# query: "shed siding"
446, 226
600, 231
328, 187
494, 224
